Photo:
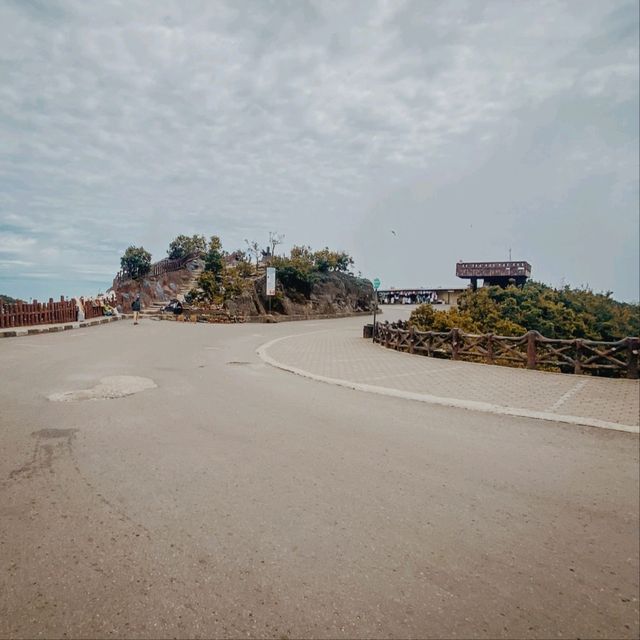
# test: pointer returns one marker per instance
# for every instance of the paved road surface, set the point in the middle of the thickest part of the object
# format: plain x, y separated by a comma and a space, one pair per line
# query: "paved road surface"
235, 499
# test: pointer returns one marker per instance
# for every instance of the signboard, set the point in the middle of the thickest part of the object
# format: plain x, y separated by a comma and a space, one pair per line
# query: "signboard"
271, 281
489, 269
376, 283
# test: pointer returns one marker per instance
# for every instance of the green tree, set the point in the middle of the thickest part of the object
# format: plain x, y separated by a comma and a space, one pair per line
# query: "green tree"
213, 259
184, 246
327, 260
135, 262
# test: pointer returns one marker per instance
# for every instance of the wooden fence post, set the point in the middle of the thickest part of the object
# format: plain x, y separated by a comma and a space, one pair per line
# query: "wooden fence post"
633, 346
412, 336
577, 367
454, 344
490, 348
531, 349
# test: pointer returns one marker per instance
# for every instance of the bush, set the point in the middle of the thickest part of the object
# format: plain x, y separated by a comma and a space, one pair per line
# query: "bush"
563, 314
136, 262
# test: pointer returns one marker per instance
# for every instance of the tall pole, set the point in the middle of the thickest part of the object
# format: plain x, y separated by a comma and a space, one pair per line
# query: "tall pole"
375, 309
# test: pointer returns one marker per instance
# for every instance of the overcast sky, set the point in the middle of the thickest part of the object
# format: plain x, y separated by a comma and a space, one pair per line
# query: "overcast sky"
468, 128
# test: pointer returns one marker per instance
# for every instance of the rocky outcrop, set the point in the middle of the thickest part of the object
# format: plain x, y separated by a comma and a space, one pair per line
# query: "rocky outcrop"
331, 294
162, 288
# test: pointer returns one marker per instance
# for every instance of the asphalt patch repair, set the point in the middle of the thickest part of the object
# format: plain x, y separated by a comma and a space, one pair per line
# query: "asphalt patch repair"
108, 388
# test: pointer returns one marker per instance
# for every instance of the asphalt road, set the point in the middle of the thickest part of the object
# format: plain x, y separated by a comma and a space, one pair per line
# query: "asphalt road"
232, 499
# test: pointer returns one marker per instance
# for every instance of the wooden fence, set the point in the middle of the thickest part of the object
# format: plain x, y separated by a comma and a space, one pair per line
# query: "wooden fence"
91, 309
532, 350
22, 314
158, 268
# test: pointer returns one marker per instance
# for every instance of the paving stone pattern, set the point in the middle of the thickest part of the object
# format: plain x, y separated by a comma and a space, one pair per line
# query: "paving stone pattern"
345, 355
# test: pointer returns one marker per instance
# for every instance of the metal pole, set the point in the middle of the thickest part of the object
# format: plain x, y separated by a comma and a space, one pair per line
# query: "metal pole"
375, 308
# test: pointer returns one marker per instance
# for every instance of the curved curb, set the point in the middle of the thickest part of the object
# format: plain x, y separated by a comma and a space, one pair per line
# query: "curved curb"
472, 405
17, 332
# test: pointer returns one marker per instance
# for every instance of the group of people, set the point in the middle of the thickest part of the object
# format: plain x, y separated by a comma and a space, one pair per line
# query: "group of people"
411, 298
109, 305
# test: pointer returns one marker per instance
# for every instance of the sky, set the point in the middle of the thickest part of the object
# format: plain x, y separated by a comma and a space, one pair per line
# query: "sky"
410, 134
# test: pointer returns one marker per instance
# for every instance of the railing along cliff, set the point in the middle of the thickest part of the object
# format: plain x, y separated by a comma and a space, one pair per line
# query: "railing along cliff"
532, 350
158, 268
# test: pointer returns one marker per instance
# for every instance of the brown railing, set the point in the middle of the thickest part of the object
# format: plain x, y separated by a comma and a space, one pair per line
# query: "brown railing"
22, 314
158, 268
532, 350
91, 309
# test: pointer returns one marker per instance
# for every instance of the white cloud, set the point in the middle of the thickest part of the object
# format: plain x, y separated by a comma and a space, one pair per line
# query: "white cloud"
132, 123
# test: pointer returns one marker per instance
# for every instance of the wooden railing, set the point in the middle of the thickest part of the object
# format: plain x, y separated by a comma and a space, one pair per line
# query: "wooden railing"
22, 314
91, 309
532, 350
158, 268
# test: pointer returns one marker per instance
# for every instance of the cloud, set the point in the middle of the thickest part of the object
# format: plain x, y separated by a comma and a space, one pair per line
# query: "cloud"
132, 123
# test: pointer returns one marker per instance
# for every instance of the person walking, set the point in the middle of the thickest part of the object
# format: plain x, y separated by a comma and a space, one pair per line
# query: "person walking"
135, 307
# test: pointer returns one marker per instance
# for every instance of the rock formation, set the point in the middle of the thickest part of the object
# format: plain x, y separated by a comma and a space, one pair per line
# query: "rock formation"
332, 293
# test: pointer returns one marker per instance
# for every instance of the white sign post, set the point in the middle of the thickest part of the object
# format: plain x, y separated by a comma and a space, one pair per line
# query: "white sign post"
270, 284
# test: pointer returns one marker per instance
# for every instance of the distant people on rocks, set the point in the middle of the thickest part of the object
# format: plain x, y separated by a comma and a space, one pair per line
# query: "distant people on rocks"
136, 306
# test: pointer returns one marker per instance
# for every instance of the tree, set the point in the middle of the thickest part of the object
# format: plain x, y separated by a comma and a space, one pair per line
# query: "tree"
274, 240
253, 249
213, 260
184, 246
327, 260
135, 262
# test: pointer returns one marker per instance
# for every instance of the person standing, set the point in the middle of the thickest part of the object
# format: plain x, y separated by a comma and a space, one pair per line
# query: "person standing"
135, 307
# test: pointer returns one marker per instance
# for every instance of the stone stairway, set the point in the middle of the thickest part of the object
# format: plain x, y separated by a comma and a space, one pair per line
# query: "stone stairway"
155, 308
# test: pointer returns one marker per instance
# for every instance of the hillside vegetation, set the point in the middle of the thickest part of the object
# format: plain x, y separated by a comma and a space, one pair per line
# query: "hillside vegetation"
308, 281
555, 313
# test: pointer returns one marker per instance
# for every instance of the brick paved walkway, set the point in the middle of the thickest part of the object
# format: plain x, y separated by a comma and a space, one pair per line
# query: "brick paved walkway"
343, 356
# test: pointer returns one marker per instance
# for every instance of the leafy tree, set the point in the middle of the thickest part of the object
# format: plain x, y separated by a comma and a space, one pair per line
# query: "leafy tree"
213, 260
184, 246
135, 262
327, 260
7, 299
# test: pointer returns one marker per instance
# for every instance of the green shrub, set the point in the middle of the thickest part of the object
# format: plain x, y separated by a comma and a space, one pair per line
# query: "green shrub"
512, 311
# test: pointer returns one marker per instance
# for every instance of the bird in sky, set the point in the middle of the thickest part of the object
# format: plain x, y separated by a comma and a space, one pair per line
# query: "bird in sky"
394, 233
